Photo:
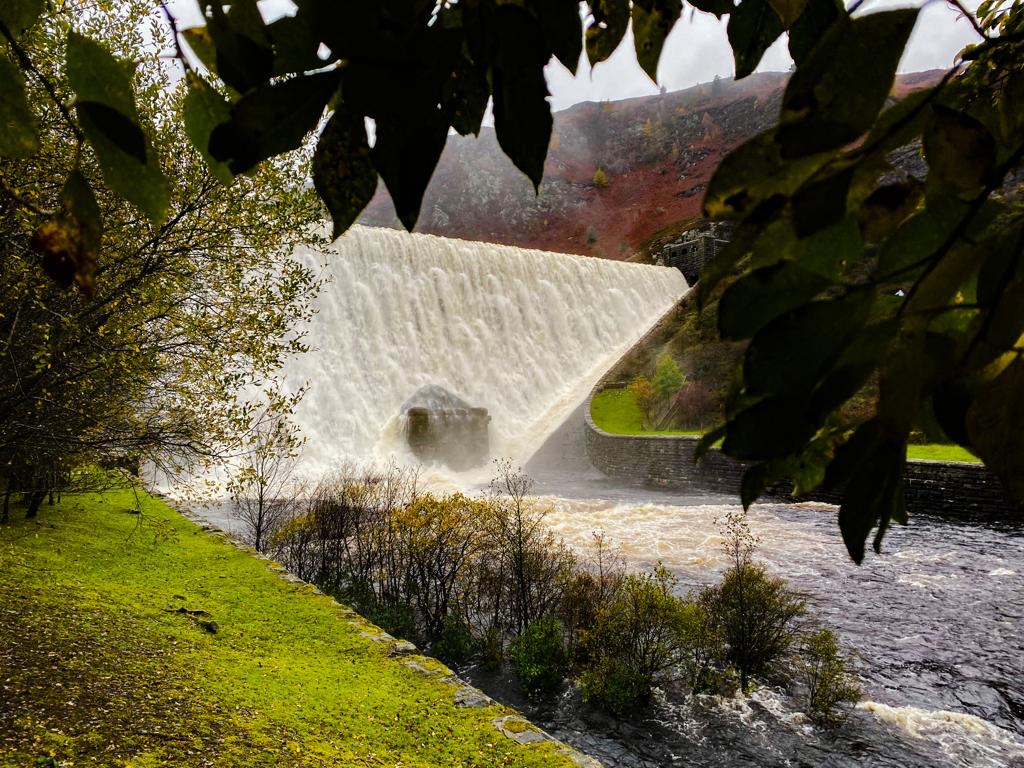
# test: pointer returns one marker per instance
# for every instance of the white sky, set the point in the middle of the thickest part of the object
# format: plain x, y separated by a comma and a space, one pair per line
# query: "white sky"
698, 50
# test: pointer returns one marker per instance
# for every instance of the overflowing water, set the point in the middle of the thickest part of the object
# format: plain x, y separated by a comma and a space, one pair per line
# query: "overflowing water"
522, 333
937, 622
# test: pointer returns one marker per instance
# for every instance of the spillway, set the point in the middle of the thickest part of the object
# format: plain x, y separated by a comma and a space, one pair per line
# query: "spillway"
522, 333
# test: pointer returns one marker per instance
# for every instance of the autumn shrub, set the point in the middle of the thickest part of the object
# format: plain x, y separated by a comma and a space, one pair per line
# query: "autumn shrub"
539, 656
641, 389
696, 406
600, 177
638, 641
825, 672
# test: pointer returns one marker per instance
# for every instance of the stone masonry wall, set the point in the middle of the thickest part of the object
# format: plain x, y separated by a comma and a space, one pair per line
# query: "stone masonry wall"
943, 488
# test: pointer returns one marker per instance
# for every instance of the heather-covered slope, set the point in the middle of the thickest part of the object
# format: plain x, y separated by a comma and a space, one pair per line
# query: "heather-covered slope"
655, 155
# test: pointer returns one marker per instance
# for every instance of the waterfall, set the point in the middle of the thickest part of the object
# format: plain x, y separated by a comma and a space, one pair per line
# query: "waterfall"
522, 333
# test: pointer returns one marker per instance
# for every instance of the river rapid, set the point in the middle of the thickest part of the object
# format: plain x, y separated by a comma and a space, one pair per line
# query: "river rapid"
935, 622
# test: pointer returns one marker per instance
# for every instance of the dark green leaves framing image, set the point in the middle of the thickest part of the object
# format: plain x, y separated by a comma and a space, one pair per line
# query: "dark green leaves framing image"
105, 105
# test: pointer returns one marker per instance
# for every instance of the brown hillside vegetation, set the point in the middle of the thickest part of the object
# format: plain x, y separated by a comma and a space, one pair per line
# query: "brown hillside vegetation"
656, 152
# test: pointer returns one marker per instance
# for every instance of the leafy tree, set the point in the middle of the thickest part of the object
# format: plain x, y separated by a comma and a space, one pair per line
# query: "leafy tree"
173, 323
262, 487
756, 613
667, 377
842, 269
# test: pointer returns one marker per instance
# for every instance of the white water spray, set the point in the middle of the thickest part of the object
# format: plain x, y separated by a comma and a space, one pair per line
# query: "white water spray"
522, 333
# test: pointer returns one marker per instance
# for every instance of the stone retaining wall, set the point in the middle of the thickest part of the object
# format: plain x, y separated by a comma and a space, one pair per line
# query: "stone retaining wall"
666, 461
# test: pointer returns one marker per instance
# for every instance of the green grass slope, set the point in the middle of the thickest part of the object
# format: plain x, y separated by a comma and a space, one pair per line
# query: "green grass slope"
107, 658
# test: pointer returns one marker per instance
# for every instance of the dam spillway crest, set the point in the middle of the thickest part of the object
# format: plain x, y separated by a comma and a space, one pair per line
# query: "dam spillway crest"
521, 333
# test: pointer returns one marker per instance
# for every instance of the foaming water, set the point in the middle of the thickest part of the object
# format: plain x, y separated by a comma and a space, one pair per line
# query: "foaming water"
935, 624
522, 333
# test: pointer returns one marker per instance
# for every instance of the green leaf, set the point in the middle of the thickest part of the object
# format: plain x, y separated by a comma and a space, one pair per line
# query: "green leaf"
789, 10
707, 441
821, 202
271, 120
652, 21
79, 202
522, 115
201, 43
901, 123
405, 155
755, 480
108, 118
96, 75
343, 171
908, 248
203, 110
243, 60
794, 352
960, 151
834, 97
887, 207
764, 294
122, 131
755, 172
753, 27
995, 425
17, 123
811, 26
770, 429
563, 30
718, 7
19, 15
465, 98
296, 45
606, 30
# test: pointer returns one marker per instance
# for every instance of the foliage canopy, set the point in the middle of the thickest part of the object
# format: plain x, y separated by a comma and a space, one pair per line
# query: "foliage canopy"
844, 271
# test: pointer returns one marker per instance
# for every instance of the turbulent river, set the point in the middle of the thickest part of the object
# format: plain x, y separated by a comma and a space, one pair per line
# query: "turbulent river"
937, 620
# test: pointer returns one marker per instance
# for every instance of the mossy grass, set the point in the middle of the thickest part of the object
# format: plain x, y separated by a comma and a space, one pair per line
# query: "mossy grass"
132, 637
616, 412
935, 452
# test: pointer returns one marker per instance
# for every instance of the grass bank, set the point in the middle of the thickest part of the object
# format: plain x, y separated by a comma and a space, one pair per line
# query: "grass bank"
616, 412
139, 640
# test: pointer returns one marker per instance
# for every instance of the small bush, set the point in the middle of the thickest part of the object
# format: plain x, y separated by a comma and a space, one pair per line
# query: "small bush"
696, 406
826, 673
613, 684
600, 177
455, 643
641, 389
667, 378
757, 615
539, 656
638, 641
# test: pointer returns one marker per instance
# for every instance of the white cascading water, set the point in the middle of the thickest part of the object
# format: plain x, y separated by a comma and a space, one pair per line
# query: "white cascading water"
522, 333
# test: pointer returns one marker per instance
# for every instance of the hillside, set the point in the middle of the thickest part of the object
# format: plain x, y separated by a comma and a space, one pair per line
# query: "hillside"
656, 155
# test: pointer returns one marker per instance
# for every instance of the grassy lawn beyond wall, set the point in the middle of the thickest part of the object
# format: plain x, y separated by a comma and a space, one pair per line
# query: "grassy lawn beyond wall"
616, 412
140, 640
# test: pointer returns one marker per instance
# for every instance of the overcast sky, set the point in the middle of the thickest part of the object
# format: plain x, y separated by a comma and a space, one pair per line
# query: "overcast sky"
698, 50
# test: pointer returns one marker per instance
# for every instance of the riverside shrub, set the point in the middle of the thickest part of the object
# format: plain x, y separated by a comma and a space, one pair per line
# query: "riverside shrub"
757, 614
825, 671
639, 640
539, 656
